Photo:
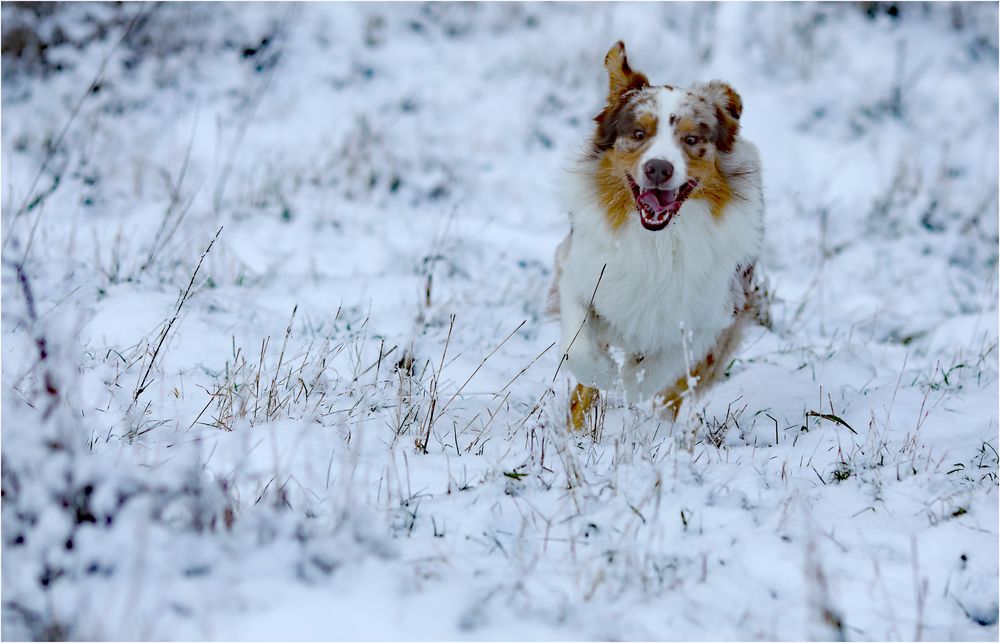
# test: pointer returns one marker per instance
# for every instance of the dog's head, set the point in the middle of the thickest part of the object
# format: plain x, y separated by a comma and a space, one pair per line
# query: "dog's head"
657, 145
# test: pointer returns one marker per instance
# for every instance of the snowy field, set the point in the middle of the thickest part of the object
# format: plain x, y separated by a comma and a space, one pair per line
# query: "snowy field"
343, 420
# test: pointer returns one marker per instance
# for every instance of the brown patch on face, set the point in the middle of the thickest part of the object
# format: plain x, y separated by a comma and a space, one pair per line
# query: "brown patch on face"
612, 186
688, 126
647, 122
620, 159
712, 184
702, 162
617, 124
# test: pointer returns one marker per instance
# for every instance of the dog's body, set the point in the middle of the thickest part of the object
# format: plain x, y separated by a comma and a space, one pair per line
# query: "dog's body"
666, 214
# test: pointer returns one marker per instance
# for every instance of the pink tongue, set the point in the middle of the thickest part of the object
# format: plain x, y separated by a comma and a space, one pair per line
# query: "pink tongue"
658, 200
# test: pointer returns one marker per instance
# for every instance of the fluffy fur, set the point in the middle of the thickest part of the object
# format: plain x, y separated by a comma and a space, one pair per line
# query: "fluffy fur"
672, 299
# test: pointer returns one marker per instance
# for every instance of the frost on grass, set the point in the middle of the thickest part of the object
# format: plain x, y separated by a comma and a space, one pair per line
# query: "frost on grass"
343, 418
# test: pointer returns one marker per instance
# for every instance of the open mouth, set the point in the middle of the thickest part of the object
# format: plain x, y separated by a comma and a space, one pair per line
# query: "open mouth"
658, 207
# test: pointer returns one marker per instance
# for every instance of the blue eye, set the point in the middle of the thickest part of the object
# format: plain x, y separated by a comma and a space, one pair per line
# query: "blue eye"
691, 140
638, 135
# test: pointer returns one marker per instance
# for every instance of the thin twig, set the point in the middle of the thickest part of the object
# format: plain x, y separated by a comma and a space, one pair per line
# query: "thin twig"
434, 387
141, 386
272, 393
469, 379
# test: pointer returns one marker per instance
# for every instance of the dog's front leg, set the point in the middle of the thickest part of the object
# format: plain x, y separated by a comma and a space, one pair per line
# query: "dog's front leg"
586, 356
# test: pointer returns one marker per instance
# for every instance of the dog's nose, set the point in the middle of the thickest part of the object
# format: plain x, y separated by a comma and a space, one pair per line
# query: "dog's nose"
658, 171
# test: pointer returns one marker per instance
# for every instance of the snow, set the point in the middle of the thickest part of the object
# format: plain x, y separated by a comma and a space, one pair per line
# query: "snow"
386, 180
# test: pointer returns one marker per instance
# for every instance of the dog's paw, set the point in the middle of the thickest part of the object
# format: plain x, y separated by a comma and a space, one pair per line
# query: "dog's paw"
592, 367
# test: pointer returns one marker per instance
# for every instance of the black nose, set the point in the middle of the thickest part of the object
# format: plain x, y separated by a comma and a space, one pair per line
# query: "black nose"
658, 171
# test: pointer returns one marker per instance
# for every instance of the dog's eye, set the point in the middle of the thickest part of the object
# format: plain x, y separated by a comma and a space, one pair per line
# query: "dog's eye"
691, 140
638, 135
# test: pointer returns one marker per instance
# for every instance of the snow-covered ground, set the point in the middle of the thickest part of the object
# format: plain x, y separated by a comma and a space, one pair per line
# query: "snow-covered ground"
349, 426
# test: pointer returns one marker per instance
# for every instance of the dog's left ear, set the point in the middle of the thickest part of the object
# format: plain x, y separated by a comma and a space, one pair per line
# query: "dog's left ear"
728, 108
621, 76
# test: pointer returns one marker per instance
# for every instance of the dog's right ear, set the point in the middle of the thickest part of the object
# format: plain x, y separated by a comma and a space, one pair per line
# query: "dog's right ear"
621, 77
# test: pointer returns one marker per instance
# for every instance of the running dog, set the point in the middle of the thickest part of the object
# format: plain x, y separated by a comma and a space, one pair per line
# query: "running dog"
666, 222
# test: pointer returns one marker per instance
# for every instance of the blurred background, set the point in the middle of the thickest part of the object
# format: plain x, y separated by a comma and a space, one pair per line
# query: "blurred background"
178, 401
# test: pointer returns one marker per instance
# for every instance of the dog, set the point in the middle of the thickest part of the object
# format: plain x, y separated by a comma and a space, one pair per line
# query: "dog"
666, 222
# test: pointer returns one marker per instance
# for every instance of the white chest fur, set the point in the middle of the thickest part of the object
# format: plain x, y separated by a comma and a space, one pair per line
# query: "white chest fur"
656, 283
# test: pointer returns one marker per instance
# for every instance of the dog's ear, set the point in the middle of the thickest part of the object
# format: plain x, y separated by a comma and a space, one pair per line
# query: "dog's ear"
621, 77
728, 108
